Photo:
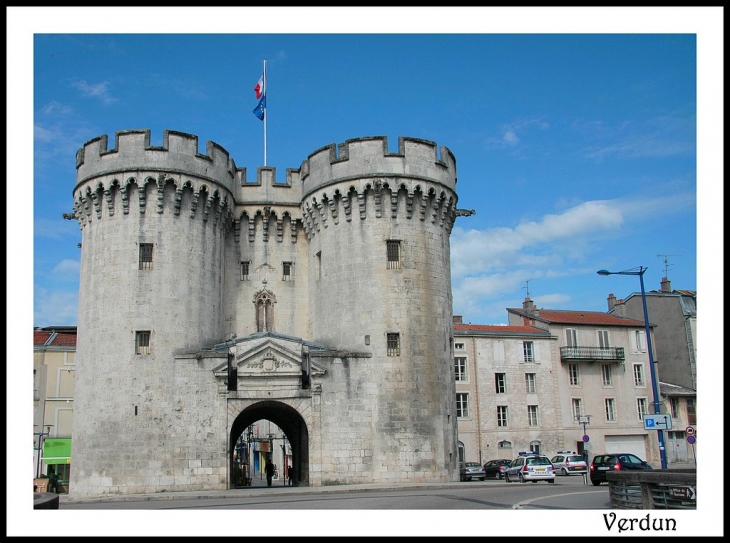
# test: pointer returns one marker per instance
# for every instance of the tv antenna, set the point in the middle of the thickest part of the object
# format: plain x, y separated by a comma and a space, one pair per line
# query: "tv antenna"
527, 288
666, 263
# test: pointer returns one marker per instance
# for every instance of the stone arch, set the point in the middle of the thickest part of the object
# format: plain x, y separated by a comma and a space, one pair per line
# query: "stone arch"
292, 425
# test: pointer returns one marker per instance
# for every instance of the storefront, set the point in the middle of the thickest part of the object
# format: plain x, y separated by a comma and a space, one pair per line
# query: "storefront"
57, 454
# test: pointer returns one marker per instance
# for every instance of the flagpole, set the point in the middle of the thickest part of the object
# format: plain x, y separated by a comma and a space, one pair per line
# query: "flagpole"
265, 115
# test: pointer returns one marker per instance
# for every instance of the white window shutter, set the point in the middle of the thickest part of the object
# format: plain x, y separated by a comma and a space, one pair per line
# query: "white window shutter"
536, 351
498, 347
632, 341
642, 341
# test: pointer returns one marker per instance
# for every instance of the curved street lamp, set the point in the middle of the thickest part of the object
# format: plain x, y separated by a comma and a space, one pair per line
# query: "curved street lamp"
654, 385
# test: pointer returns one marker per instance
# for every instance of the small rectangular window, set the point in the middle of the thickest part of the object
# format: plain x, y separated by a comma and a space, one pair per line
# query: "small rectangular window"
603, 339
607, 375
532, 415
574, 373
691, 411
459, 346
571, 339
528, 353
460, 368
502, 415
319, 264
500, 381
641, 408
639, 375
288, 271
145, 256
674, 405
530, 387
462, 405
245, 271
610, 405
393, 344
577, 407
142, 342
393, 252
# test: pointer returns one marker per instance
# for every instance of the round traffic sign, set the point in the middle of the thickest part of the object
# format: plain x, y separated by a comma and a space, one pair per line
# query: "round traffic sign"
585, 438
691, 439
689, 431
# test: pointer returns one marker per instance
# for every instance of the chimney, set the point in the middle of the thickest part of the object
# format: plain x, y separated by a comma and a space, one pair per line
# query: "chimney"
529, 307
666, 285
611, 301
457, 319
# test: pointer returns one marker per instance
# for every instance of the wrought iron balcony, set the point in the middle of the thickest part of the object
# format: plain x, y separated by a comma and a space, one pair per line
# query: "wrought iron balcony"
592, 354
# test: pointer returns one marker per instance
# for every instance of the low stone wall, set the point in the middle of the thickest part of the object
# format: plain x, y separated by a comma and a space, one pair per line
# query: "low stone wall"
656, 489
45, 500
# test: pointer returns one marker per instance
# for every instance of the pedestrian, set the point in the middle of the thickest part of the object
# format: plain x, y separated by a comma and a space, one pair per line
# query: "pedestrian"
53, 483
290, 473
269, 472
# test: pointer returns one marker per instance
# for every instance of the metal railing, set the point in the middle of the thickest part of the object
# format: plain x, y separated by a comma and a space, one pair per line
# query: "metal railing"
610, 354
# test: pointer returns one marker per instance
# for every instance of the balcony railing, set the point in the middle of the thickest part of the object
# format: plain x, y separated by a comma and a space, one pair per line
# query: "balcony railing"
592, 354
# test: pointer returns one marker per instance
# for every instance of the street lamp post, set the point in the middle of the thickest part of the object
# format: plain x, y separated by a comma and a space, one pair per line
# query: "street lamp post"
654, 385
41, 435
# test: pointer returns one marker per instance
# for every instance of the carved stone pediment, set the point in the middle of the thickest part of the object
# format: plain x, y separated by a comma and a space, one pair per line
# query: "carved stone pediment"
269, 358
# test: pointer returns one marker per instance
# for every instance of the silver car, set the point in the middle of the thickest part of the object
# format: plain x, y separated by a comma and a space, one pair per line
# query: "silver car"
567, 464
472, 470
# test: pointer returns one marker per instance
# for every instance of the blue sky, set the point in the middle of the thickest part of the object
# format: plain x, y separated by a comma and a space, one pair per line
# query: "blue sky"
577, 132
577, 152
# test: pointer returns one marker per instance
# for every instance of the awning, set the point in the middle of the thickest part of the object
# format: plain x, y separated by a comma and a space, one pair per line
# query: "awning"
57, 451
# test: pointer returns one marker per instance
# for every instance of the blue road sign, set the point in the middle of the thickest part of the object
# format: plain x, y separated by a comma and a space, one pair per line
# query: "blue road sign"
585, 438
658, 422
691, 439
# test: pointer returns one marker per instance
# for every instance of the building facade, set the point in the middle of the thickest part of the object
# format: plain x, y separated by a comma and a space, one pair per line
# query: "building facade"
208, 302
673, 315
54, 368
548, 379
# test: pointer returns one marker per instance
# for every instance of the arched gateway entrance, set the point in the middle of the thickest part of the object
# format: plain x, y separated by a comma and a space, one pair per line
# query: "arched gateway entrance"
292, 425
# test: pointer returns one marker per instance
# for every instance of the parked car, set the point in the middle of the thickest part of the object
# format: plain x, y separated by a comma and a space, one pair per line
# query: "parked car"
471, 470
566, 464
530, 467
603, 463
496, 468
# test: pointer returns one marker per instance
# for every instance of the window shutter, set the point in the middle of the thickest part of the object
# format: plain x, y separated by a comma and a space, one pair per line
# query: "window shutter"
642, 341
498, 352
536, 351
632, 341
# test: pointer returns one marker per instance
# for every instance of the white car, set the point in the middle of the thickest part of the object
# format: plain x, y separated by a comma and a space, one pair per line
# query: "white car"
567, 464
530, 467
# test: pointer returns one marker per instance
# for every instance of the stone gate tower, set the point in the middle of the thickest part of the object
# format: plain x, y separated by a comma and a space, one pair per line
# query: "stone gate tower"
335, 283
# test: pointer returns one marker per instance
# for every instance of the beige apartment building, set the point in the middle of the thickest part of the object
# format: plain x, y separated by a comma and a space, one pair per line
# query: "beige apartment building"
54, 350
550, 378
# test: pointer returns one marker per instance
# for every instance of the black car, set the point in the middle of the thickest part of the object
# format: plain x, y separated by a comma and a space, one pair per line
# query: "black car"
496, 468
603, 463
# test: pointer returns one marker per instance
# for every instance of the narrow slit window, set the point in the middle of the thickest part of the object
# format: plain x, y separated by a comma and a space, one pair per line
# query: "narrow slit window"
245, 271
145, 256
393, 250
288, 271
393, 344
142, 342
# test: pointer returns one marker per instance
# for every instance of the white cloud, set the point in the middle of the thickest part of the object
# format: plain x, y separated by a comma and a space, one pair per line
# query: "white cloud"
96, 90
67, 269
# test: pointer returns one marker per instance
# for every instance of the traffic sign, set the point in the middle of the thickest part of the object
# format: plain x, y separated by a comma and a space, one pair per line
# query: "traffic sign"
689, 431
691, 440
585, 438
657, 422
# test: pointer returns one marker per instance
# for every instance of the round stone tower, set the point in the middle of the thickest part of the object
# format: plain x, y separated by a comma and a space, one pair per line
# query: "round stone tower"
153, 222
378, 225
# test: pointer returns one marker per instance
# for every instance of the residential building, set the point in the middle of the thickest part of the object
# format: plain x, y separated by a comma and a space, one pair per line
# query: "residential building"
505, 387
673, 316
54, 368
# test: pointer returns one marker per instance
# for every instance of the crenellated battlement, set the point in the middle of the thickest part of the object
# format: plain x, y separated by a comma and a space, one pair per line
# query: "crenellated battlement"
369, 157
177, 154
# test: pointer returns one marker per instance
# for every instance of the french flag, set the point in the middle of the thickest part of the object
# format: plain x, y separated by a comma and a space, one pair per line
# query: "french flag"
259, 88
